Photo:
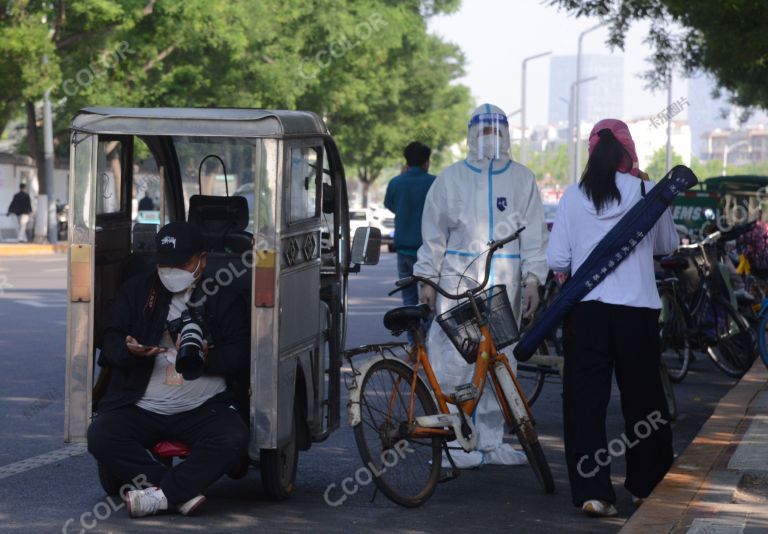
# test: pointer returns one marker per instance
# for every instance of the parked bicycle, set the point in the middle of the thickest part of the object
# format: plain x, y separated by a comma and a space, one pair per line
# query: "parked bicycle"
698, 313
399, 412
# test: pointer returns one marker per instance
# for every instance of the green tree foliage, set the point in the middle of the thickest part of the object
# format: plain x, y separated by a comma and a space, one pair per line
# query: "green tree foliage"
724, 38
549, 166
368, 67
657, 167
703, 170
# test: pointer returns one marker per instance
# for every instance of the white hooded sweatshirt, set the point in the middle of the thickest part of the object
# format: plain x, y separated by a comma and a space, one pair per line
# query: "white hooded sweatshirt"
578, 228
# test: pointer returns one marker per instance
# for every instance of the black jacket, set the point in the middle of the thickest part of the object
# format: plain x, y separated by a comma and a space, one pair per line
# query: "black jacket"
21, 204
141, 309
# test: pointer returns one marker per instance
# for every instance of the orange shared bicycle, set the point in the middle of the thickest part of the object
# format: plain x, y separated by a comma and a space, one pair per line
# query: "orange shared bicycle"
401, 416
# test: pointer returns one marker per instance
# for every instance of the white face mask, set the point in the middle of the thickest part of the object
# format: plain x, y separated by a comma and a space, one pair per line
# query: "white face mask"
489, 146
175, 279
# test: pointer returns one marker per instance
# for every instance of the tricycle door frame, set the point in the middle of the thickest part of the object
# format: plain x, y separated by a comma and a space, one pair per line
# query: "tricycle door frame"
298, 295
338, 324
80, 287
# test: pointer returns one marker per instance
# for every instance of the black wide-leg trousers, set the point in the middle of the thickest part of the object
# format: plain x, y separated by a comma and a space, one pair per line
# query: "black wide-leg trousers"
599, 337
216, 434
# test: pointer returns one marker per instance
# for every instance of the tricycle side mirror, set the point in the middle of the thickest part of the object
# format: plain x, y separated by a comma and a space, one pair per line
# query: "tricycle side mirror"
366, 246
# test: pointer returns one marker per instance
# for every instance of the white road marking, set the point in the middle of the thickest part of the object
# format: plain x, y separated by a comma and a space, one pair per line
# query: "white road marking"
48, 458
41, 304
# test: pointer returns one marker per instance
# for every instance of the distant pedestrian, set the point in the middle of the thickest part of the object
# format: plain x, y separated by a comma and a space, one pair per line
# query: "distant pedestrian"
405, 198
616, 326
146, 203
21, 207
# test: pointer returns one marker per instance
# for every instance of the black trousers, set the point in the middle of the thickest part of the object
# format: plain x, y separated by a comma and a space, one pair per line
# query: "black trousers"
597, 338
215, 432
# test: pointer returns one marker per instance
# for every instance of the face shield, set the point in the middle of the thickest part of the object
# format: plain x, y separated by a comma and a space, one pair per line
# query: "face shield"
490, 132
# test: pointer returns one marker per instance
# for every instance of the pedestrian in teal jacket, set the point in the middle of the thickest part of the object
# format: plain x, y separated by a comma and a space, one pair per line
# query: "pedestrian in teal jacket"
405, 198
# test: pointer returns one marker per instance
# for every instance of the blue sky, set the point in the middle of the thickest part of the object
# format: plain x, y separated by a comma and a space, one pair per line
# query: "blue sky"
496, 35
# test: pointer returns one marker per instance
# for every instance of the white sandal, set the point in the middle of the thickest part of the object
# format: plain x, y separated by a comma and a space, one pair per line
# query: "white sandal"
596, 508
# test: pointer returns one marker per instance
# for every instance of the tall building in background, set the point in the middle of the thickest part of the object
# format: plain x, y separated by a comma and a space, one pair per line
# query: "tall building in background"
705, 113
599, 99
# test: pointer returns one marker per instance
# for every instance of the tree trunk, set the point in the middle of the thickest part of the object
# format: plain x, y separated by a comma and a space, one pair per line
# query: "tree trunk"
364, 186
35, 146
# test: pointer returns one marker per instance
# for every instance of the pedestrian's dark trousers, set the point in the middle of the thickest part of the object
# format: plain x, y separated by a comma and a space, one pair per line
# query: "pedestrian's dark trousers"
121, 439
597, 338
405, 263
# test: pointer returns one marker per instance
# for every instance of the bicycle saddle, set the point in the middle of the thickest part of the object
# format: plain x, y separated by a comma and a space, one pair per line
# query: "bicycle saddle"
403, 318
674, 263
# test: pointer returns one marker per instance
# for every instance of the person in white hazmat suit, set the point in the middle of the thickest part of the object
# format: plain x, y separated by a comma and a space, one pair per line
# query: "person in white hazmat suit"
487, 196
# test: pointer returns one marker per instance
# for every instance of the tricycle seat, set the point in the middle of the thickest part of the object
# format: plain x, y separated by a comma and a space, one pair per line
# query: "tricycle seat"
405, 317
171, 449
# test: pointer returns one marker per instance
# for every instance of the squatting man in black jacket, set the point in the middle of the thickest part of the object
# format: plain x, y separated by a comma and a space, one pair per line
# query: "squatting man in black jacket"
149, 399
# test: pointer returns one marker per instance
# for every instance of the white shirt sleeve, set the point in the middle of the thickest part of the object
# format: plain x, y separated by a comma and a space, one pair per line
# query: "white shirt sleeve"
559, 252
666, 239
533, 240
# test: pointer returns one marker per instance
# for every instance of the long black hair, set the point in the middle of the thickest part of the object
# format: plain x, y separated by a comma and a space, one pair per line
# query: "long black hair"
599, 179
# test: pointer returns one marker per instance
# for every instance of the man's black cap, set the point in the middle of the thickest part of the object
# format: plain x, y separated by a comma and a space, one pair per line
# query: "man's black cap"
177, 242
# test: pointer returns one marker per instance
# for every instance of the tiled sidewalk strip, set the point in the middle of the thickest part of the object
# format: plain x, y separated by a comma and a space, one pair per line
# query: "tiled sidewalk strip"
686, 485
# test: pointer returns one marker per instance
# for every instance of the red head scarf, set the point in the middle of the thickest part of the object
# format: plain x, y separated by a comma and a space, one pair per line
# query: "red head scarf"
621, 132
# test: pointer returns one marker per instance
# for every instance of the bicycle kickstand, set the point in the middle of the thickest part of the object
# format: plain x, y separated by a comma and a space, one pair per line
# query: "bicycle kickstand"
454, 472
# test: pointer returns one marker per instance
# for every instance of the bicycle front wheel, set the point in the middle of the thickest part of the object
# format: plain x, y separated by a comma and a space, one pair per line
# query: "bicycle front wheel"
405, 469
675, 347
730, 343
523, 427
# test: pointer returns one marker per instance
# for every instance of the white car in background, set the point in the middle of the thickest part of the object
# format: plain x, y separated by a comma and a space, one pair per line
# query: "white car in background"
359, 218
384, 220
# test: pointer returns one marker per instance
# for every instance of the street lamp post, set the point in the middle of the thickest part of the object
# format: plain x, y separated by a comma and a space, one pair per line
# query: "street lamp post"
571, 120
523, 148
577, 110
728, 148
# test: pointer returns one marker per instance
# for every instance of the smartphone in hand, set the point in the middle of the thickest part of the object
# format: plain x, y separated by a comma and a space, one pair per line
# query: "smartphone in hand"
139, 346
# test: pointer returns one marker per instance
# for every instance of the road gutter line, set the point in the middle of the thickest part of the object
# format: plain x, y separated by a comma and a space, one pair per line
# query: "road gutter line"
22, 466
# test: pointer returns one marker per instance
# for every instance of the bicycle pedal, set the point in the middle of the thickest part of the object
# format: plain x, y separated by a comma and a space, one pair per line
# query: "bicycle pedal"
439, 420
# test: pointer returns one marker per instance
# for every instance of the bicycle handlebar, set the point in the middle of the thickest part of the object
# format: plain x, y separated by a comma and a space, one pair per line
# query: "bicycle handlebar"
711, 238
494, 246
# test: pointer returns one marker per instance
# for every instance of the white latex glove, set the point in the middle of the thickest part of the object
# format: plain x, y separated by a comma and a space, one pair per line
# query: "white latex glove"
427, 296
530, 297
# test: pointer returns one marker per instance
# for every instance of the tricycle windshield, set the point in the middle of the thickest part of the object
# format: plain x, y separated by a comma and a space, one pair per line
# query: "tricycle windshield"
251, 168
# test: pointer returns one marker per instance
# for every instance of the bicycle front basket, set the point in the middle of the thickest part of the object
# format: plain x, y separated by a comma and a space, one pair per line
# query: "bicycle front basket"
461, 326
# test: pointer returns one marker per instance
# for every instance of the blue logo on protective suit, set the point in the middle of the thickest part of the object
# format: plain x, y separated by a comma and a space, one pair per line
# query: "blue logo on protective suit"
501, 203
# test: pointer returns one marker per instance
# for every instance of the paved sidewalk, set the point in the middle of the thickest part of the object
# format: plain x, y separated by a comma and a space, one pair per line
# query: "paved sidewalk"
719, 485
31, 249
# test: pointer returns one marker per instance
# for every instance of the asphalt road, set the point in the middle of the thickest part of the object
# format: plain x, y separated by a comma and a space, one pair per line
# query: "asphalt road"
57, 495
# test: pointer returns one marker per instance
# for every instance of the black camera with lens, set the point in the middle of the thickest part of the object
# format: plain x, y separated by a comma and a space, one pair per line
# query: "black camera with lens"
191, 331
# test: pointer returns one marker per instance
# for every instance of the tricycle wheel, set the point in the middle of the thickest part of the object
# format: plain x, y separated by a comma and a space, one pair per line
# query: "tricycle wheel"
278, 466
109, 482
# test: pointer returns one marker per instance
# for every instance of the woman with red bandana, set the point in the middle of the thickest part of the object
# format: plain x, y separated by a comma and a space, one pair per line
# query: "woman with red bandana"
614, 326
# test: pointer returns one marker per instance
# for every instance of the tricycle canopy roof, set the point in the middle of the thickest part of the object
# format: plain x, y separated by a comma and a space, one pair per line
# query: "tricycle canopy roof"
213, 122
727, 184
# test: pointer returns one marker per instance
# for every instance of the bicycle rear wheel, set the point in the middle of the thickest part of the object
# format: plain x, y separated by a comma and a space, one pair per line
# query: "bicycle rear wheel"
731, 346
762, 337
669, 392
531, 379
405, 469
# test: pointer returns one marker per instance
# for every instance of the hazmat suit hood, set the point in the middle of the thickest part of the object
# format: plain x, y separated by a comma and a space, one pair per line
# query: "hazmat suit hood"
488, 135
